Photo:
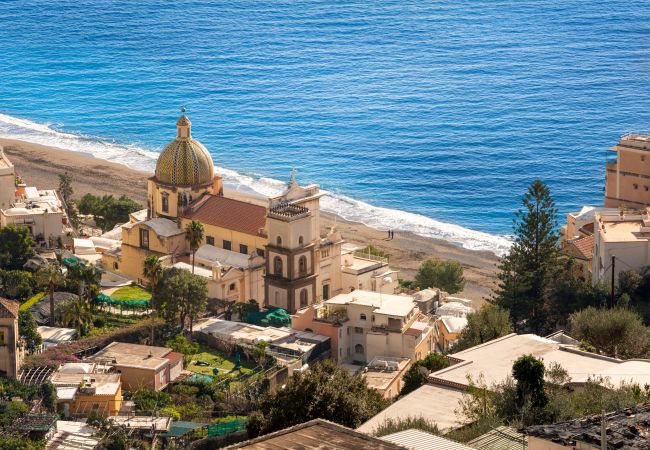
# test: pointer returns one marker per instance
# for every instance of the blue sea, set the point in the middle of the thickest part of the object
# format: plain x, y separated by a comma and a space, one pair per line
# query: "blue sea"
427, 116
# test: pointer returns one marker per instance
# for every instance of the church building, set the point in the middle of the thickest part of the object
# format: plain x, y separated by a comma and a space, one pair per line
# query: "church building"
275, 255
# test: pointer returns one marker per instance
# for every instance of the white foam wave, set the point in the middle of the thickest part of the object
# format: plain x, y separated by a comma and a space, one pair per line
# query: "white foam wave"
346, 207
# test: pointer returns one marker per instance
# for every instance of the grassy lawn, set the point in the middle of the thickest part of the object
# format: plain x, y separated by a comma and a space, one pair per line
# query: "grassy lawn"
131, 293
112, 322
216, 359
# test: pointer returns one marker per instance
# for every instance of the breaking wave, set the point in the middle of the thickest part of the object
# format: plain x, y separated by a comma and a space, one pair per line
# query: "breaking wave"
345, 207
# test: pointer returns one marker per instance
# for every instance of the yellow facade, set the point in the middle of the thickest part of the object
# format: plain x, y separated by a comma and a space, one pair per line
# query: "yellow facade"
106, 405
236, 238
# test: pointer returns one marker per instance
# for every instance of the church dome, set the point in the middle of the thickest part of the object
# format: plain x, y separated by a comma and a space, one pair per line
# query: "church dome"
184, 161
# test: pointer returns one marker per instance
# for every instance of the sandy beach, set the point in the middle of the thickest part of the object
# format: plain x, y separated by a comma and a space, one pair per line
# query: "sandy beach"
40, 166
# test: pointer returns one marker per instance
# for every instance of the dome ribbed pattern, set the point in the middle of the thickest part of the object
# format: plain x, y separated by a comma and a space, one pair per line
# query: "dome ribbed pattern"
184, 161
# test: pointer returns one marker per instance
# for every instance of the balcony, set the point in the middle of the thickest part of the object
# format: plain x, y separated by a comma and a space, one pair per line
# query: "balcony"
330, 315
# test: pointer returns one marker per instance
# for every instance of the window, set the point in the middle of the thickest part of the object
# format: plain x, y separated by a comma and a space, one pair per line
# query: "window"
358, 349
2, 338
232, 287
165, 202
260, 252
324, 253
362, 316
209, 240
636, 186
326, 292
301, 240
227, 245
302, 265
303, 298
278, 241
358, 330
277, 266
144, 238
646, 188
243, 249
116, 266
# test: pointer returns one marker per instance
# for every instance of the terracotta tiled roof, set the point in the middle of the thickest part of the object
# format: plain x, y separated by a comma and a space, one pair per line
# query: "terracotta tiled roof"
8, 309
228, 213
582, 248
174, 357
587, 229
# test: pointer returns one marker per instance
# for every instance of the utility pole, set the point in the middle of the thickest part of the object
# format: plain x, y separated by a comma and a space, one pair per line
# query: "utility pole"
612, 290
603, 432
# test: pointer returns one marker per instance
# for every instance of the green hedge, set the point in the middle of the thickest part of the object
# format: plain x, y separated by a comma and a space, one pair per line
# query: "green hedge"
32, 301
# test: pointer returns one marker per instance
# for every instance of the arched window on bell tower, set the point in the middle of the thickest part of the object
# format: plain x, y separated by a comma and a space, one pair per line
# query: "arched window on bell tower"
165, 202
302, 265
277, 266
278, 241
304, 298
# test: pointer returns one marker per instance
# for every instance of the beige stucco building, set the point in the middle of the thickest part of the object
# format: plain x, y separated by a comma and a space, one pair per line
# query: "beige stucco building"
364, 325
622, 239
141, 365
628, 178
7, 181
10, 349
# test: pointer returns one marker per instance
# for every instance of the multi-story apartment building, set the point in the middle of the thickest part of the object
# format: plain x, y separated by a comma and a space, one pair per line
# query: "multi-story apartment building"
628, 177
364, 325
621, 243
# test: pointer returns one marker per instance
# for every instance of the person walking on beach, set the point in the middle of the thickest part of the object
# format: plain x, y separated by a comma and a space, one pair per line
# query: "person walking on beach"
389, 233
392, 234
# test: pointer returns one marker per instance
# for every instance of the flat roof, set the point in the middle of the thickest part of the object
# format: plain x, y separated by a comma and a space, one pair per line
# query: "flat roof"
388, 304
381, 379
240, 331
142, 422
104, 383
134, 355
198, 270
434, 403
494, 359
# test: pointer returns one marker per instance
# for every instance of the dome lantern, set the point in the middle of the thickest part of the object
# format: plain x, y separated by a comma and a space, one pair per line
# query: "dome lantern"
184, 161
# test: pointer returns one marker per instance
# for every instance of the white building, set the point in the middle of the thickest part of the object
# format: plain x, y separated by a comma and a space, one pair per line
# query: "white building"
363, 325
622, 241
40, 211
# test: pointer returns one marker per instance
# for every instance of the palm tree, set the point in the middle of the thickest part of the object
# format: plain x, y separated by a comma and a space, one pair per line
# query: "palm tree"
152, 270
77, 314
49, 277
88, 278
194, 235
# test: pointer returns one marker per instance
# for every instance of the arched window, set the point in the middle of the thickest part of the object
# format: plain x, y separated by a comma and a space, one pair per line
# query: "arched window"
278, 241
303, 298
277, 265
165, 202
362, 316
302, 265
116, 266
301, 240
358, 349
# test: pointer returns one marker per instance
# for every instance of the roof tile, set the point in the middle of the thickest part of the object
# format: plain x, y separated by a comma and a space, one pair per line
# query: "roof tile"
229, 213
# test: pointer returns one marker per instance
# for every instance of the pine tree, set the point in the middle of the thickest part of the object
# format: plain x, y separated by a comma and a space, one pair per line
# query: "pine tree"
527, 271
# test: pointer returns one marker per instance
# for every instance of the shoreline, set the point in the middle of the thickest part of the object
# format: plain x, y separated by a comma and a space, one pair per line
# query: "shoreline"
40, 165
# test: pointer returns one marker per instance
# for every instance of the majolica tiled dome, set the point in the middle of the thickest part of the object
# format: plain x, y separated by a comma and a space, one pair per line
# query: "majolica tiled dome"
184, 161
